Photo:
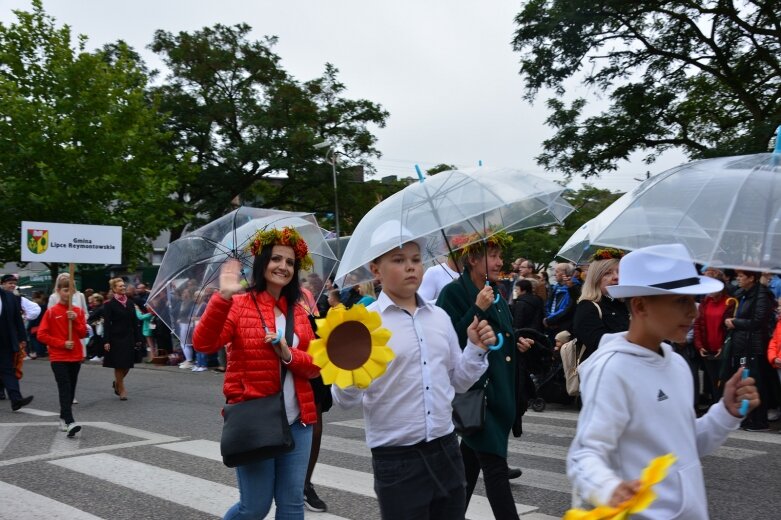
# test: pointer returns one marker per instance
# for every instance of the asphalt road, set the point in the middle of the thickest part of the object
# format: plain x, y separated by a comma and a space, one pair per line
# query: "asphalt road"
152, 456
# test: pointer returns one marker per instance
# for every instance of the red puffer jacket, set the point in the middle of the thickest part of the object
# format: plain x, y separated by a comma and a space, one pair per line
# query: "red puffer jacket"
253, 368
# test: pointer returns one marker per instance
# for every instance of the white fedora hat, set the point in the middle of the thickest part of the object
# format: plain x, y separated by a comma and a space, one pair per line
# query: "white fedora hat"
658, 270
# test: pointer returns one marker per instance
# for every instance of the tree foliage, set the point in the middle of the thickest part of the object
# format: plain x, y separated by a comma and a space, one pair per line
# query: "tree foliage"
541, 244
700, 75
249, 127
80, 140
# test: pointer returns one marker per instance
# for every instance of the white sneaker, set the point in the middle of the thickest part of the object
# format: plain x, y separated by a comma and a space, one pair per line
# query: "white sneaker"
186, 364
96, 359
200, 369
75, 401
773, 415
63, 426
73, 429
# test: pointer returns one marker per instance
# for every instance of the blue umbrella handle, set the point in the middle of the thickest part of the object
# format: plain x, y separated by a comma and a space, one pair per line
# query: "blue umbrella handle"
778, 141
498, 296
744, 404
420, 173
499, 343
277, 337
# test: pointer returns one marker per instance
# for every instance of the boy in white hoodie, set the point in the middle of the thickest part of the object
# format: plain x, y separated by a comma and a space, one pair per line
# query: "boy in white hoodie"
637, 394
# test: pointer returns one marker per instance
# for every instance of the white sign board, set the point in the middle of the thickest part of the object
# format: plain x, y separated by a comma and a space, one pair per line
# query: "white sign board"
71, 243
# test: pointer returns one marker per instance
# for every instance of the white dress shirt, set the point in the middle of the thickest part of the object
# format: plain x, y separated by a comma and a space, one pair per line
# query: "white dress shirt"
411, 402
30, 310
434, 279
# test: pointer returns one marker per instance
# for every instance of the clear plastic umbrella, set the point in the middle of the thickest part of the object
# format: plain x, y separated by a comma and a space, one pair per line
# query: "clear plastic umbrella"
727, 211
189, 273
477, 202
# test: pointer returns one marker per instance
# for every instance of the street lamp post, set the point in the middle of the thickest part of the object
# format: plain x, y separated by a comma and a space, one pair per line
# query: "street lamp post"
332, 150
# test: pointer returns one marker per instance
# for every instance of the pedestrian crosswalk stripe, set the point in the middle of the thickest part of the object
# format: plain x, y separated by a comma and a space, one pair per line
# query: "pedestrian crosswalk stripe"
17, 503
63, 445
40, 413
203, 495
7, 435
335, 477
565, 432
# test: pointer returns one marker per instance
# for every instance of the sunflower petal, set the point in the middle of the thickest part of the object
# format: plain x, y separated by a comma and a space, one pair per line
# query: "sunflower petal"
380, 336
375, 368
329, 372
362, 378
372, 320
344, 378
382, 354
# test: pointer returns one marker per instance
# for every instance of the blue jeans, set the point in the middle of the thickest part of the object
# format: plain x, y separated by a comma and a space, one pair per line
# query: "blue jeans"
201, 360
281, 479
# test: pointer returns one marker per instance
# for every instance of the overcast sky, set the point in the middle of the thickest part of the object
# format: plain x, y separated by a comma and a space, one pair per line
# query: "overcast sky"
444, 69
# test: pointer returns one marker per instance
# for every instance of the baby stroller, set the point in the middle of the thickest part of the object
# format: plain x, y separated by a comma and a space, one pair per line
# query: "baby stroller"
544, 366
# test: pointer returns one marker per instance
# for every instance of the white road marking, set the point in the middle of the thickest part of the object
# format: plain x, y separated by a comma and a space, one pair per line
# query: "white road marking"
17, 503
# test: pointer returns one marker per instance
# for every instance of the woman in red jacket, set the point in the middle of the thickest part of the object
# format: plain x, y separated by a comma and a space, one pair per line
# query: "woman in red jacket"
710, 331
253, 370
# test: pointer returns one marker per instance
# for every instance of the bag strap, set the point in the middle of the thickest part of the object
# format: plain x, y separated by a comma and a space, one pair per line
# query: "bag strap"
599, 309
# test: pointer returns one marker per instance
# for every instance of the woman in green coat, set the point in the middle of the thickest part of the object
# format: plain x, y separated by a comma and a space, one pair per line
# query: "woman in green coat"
464, 298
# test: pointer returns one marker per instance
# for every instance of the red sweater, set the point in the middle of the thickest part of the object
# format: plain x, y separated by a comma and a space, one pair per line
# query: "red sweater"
253, 368
53, 332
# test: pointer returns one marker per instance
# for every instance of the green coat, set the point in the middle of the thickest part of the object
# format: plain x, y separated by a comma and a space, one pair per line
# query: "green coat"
458, 300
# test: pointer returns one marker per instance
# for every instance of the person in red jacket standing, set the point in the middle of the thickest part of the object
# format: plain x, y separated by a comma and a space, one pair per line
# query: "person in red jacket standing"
65, 354
253, 369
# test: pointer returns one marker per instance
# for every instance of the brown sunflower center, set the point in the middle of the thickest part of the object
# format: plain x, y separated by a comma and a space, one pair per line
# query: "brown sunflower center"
349, 345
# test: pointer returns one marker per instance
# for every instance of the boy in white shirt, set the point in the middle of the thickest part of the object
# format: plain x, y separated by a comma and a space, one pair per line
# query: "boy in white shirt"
418, 469
637, 394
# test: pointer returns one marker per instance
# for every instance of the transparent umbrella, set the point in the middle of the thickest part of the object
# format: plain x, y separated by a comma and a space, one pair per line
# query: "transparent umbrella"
476, 202
189, 273
727, 211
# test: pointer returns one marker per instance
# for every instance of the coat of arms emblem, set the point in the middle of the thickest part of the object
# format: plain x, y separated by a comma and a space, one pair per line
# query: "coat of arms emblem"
37, 240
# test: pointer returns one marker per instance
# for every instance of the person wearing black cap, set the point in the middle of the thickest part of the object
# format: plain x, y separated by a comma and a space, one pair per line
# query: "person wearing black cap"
12, 338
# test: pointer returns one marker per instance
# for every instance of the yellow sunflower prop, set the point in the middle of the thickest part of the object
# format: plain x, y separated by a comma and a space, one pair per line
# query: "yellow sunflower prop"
654, 473
352, 348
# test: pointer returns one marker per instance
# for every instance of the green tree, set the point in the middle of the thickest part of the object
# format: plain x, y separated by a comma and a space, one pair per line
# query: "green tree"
541, 244
80, 140
442, 167
703, 76
249, 127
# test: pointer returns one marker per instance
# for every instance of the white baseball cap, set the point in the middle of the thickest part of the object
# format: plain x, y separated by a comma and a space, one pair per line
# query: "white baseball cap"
659, 270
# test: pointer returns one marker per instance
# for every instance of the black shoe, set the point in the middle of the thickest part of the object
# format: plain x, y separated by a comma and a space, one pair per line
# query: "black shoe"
513, 473
73, 429
312, 501
24, 401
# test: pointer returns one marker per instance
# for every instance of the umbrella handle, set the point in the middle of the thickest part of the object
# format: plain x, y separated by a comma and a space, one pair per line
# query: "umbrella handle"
499, 343
744, 404
277, 337
498, 296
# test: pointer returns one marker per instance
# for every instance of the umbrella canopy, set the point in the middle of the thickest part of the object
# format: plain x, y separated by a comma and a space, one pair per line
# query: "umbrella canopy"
189, 273
475, 202
727, 211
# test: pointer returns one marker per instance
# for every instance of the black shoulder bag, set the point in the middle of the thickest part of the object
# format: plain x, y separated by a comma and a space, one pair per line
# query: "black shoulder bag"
257, 429
469, 410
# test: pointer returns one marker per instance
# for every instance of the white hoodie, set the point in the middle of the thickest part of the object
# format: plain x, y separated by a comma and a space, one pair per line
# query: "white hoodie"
638, 405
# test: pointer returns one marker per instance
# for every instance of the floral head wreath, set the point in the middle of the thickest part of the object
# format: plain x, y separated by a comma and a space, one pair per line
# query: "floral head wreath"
464, 245
608, 253
286, 236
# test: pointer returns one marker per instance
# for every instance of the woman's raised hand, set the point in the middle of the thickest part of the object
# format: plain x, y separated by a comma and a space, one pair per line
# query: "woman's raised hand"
230, 278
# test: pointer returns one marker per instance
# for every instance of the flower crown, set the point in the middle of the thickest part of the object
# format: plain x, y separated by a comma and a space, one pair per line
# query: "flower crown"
608, 253
464, 245
286, 236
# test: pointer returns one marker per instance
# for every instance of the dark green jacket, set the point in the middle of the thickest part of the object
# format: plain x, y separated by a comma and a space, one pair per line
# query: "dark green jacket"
458, 300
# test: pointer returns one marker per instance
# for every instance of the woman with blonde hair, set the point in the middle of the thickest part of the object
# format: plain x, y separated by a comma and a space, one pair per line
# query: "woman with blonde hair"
597, 313
368, 296
121, 335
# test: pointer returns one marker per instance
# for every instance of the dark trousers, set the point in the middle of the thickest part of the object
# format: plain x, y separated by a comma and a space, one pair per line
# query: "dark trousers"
66, 373
712, 370
8, 373
497, 485
420, 482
